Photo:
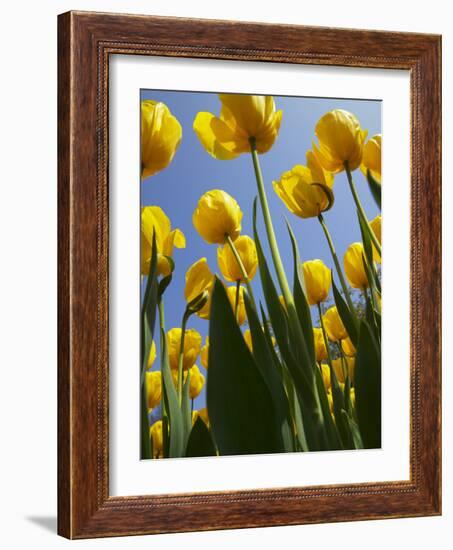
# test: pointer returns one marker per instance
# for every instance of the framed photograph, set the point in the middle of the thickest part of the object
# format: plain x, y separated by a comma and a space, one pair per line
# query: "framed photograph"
242, 341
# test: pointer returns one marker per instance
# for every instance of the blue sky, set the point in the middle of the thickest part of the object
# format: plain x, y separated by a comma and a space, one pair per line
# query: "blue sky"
193, 172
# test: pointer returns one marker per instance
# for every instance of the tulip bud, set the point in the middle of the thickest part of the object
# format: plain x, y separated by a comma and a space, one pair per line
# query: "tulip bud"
354, 268
196, 383
318, 279
334, 325
320, 345
157, 439
192, 347
199, 279
153, 388
372, 157
228, 264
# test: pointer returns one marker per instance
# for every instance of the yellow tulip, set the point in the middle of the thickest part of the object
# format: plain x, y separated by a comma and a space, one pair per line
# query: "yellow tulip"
325, 372
157, 438
241, 313
160, 137
352, 396
353, 266
192, 347
348, 347
203, 414
318, 174
228, 264
341, 140
334, 325
248, 339
376, 227
217, 216
204, 354
330, 401
153, 388
197, 381
154, 219
199, 278
372, 157
340, 372
318, 279
241, 117
320, 346
299, 194
152, 356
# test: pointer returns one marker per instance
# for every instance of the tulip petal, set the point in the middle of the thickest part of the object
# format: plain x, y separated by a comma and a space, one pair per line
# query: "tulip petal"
215, 136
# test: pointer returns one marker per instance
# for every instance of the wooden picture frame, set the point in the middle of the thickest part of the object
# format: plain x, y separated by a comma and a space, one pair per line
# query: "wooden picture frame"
85, 42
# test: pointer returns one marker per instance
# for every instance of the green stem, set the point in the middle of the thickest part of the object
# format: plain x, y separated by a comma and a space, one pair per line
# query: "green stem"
181, 356
337, 263
164, 409
324, 334
278, 264
236, 304
242, 268
360, 209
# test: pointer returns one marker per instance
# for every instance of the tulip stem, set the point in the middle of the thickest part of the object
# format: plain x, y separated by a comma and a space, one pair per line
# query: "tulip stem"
243, 270
181, 356
236, 303
165, 433
278, 264
360, 209
337, 263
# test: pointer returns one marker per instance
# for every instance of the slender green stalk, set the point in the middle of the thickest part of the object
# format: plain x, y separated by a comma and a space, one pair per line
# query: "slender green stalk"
324, 334
278, 264
360, 208
242, 268
236, 303
181, 356
344, 286
165, 426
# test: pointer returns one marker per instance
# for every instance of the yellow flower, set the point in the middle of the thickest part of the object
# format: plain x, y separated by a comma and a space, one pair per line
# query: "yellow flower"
160, 137
155, 220
203, 414
348, 347
320, 346
330, 401
325, 372
153, 388
217, 215
157, 439
204, 354
299, 194
334, 325
352, 396
192, 347
152, 356
318, 174
197, 381
341, 140
241, 117
228, 264
376, 227
353, 266
340, 372
372, 157
248, 339
318, 279
199, 278
241, 313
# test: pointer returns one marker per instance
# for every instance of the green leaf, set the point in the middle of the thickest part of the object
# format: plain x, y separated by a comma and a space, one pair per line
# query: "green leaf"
200, 441
354, 430
300, 299
241, 410
186, 410
367, 381
331, 429
375, 188
175, 421
347, 317
270, 369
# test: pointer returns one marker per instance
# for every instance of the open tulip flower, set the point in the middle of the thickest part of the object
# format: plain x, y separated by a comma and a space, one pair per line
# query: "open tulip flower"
192, 347
199, 278
318, 279
228, 264
241, 314
217, 216
156, 435
371, 159
241, 117
300, 192
320, 345
154, 220
153, 388
334, 325
354, 267
160, 137
341, 140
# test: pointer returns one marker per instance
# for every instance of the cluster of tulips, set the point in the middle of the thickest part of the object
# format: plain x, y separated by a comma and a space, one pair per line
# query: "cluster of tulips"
274, 381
